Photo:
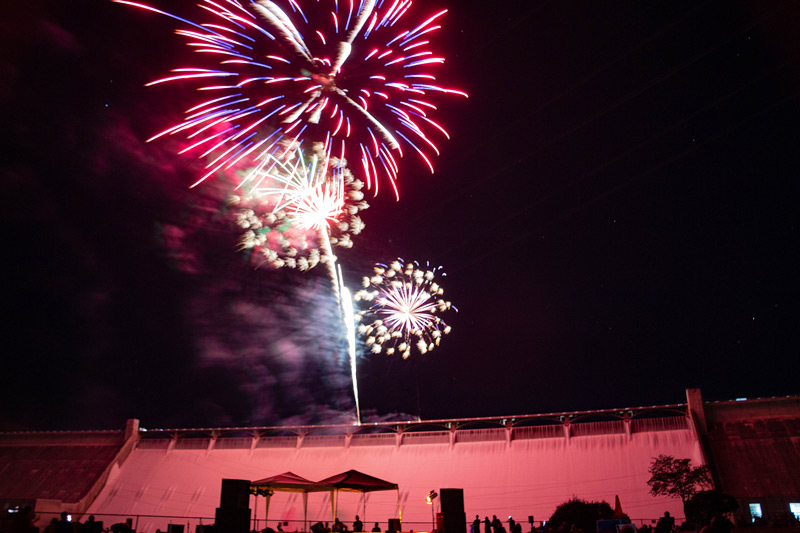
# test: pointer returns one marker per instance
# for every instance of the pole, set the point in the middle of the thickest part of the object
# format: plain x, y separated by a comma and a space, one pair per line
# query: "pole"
305, 511
266, 507
255, 512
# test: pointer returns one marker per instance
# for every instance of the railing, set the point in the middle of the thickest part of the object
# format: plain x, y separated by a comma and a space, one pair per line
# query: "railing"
375, 439
548, 431
189, 524
411, 426
132, 521
669, 423
480, 435
146, 523
277, 442
427, 437
607, 427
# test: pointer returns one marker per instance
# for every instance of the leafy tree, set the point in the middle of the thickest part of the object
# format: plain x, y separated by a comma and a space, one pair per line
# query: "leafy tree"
677, 478
581, 513
707, 504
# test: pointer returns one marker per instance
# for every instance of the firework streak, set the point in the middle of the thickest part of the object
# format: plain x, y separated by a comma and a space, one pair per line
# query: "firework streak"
356, 75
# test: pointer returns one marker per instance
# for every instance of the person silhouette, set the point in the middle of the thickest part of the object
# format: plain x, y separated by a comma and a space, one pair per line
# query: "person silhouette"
64, 525
665, 524
476, 525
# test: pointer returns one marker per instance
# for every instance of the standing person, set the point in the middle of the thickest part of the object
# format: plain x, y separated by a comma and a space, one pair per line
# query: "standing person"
512, 525
92, 526
665, 524
357, 525
497, 526
64, 525
476, 525
487, 526
51, 527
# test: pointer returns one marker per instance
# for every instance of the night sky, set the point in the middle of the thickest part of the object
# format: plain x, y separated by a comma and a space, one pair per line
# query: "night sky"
616, 213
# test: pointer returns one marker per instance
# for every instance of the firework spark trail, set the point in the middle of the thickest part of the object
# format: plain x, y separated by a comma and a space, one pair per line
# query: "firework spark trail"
360, 80
350, 326
405, 302
330, 260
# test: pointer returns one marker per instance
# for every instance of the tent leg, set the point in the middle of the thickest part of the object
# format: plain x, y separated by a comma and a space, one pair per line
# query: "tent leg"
399, 514
255, 514
305, 511
266, 511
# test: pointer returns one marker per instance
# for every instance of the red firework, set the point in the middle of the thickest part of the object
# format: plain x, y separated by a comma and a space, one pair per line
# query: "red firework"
357, 76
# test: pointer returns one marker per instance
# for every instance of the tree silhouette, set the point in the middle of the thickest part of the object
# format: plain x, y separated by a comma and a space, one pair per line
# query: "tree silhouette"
581, 513
707, 504
677, 478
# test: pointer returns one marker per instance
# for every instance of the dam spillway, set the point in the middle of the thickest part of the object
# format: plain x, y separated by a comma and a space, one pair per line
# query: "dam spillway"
514, 470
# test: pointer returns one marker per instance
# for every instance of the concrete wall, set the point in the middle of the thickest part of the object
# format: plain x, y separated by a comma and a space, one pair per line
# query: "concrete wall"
527, 475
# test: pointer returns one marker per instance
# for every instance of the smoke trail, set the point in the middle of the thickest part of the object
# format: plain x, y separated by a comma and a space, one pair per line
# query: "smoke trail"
284, 343
276, 334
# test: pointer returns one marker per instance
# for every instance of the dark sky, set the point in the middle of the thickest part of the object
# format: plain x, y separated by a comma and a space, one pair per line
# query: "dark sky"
616, 213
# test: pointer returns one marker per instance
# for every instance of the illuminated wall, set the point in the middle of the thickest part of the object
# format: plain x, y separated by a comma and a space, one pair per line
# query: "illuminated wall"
529, 474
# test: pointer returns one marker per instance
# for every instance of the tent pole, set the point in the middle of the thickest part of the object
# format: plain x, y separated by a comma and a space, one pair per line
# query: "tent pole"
305, 511
266, 508
255, 513
333, 507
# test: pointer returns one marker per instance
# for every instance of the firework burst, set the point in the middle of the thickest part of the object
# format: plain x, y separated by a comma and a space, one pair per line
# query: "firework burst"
357, 75
405, 301
294, 210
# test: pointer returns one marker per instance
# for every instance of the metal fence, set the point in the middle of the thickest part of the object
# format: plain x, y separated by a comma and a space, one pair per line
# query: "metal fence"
189, 524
